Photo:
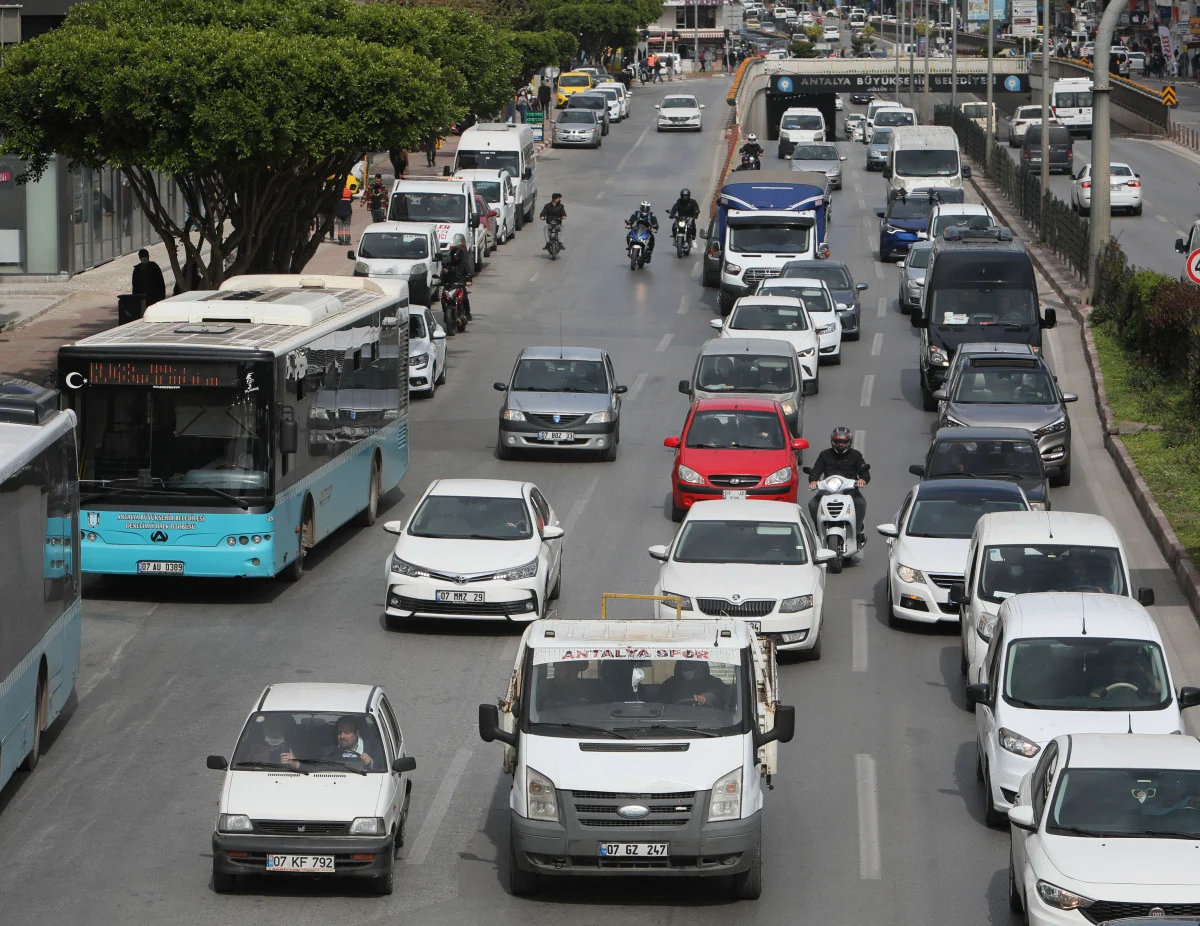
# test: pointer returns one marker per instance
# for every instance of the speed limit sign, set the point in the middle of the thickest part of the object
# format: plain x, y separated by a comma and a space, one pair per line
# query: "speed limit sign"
1193, 266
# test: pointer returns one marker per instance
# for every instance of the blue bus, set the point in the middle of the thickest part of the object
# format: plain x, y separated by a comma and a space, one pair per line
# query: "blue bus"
39, 569
227, 432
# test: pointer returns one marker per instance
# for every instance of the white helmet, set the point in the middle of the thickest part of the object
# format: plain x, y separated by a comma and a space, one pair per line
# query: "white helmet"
645, 206
751, 137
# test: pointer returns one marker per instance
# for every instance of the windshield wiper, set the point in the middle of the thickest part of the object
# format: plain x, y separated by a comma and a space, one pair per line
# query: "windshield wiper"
680, 729
589, 728
1015, 476
1170, 834
174, 489
1093, 834
333, 763
244, 505
270, 765
1021, 702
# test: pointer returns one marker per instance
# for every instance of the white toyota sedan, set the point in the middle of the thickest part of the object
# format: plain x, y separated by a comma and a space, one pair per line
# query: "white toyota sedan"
780, 318
426, 351
679, 111
486, 549
1124, 189
757, 560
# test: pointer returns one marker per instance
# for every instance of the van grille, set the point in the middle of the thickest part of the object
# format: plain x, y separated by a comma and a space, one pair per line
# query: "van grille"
598, 809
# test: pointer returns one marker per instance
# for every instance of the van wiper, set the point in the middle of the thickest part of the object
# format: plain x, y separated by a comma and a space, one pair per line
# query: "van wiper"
1013, 476
273, 766
676, 728
589, 728
173, 489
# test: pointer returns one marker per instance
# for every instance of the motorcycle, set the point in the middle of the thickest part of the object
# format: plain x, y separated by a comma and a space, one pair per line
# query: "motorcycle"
454, 315
750, 162
683, 232
637, 243
553, 238
836, 518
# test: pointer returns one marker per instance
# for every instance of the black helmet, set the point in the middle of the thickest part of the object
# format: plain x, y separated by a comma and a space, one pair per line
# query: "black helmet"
841, 439
685, 194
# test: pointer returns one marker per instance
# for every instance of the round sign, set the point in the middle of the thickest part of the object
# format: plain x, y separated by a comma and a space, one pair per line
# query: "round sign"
785, 85
1193, 266
1012, 83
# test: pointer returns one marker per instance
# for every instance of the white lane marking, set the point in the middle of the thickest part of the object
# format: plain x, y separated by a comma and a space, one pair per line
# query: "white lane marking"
883, 306
628, 154
664, 342
637, 386
879, 269
533, 279
437, 810
867, 387
1162, 218
600, 195
580, 504
867, 788
860, 441
862, 203
696, 269
683, 304
858, 630
877, 344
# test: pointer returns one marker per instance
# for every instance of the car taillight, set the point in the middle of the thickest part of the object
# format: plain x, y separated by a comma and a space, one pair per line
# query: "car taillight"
1070, 152
1025, 154
1134, 183
1086, 184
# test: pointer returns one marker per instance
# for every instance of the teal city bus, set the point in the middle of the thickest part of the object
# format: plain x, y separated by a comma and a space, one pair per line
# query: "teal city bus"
40, 620
226, 432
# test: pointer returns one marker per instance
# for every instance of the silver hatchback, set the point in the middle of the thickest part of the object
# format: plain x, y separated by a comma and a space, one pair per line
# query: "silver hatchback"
821, 157
912, 274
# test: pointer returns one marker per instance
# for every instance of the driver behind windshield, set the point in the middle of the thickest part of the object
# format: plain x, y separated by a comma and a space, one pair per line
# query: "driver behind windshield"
348, 747
1126, 675
692, 683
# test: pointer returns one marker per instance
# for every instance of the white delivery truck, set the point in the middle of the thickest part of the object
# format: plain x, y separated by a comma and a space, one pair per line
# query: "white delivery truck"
449, 206
500, 146
639, 747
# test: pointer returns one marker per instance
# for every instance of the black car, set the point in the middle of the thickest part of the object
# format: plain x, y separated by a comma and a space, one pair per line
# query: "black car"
988, 453
1062, 149
837, 276
862, 98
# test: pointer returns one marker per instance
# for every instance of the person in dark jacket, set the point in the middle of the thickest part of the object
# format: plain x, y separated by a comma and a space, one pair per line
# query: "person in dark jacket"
375, 198
148, 279
841, 460
645, 216
544, 95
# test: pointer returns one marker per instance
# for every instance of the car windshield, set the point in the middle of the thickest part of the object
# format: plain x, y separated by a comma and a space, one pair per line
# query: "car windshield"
769, 238
1005, 387
910, 208
1129, 802
393, 246
560, 376
1029, 112
735, 430
894, 117
881, 138
958, 306
815, 298
488, 189
1022, 568
1086, 674
815, 153
679, 102
411, 206
416, 327
577, 115
954, 518
953, 457
490, 160
926, 163
919, 257
575, 80
610, 94
696, 692
306, 742
756, 543
470, 517
768, 318
974, 222
831, 274
745, 373
802, 122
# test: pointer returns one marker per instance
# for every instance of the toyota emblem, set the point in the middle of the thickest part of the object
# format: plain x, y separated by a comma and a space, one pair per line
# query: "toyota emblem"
460, 580
159, 537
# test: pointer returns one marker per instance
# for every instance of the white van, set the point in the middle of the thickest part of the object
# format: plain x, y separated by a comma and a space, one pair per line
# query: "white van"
499, 190
400, 251
924, 157
979, 113
800, 125
448, 205
500, 146
872, 109
1071, 104
1018, 552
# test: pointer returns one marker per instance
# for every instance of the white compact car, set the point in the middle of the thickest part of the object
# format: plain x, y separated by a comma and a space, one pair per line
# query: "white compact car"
780, 318
1124, 190
499, 190
487, 549
614, 102
820, 306
318, 785
1066, 662
405, 251
624, 94
1023, 117
1105, 830
756, 560
832, 34
679, 111
929, 539
975, 216
426, 351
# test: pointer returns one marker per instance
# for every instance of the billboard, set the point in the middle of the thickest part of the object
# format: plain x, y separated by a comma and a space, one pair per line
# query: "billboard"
977, 10
1024, 18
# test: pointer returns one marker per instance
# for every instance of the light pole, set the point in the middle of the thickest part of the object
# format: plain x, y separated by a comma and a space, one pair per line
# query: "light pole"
954, 56
925, 96
1045, 113
695, 35
1100, 223
912, 51
991, 52
898, 38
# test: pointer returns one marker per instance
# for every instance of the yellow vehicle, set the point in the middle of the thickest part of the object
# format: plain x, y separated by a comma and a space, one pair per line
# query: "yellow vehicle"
572, 82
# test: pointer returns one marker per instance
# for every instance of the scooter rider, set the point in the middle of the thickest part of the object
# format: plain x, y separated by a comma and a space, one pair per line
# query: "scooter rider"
688, 208
752, 149
841, 460
645, 216
553, 212
455, 270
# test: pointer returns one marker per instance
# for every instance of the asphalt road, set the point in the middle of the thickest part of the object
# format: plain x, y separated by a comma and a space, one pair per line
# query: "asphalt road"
876, 815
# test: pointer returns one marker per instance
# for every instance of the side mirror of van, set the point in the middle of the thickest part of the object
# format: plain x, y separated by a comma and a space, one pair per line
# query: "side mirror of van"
1145, 597
350, 255
940, 395
217, 763
489, 726
783, 730
1049, 318
1180, 245
879, 213
887, 173
979, 693
1188, 697
685, 386
528, 175
966, 171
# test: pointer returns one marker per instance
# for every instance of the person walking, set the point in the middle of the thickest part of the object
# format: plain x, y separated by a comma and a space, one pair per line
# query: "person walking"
399, 159
147, 279
703, 60
544, 95
375, 198
522, 106
430, 150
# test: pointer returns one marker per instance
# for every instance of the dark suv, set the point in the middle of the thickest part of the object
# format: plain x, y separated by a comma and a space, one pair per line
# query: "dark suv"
988, 453
1062, 149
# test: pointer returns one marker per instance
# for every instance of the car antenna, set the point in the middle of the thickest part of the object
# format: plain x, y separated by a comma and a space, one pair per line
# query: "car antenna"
1049, 525
1083, 615
560, 344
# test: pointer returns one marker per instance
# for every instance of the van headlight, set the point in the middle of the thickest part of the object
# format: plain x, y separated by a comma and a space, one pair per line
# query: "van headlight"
1016, 743
362, 268
938, 355
726, 803
986, 626
541, 801
732, 269
367, 826
234, 823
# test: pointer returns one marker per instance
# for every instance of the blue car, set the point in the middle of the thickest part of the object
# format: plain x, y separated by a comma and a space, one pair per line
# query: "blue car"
906, 220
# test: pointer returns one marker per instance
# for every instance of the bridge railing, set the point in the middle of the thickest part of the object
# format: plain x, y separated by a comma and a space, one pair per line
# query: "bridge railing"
1128, 94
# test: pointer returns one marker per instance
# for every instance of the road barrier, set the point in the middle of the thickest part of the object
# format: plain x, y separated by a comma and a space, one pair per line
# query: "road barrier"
1186, 136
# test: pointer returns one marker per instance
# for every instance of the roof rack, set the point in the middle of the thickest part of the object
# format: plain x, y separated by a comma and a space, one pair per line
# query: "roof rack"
23, 402
963, 233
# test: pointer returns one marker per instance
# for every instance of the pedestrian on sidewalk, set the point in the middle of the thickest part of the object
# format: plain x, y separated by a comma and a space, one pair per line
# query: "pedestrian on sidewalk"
147, 279
522, 106
545, 94
399, 159
375, 198
703, 60
430, 145
340, 227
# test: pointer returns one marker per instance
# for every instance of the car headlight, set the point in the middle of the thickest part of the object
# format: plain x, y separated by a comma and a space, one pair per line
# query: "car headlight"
1061, 898
828, 329
689, 475
798, 603
320, 414
807, 352
726, 803
788, 406
401, 567
599, 417
234, 823
952, 422
908, 574
779, 477
362, 268
418, 361
938, 355
685, 603
1037, 506
527, 571
1056, 427
986, 626
733, 269
367, 826
541, 802
511, 414
1016, 743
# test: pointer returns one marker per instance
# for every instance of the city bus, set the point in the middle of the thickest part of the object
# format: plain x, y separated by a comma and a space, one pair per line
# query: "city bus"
40, 624
227, 432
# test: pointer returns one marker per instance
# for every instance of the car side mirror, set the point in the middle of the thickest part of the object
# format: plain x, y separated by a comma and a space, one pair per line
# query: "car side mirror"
1049, 318
824, 555
940, 395
807, 470
979, 693
888, 530
685, 386
1145, 597
474, 221
658, 552
861, 286
879, 213
217, 763
439, 333
966, 171
1021, 816
843, 157
620, 390
1180, 245
393, 527
958, 593
552, 532
350, 255
528, 175
1188, 697
716, 323
500, 387
919, 282
887, 173
703, 105
404, 764
799, 443
289, 432
703, 233
917, 469
1070, 397
489, 726
493, 213
783, 729
657, 106
671, 442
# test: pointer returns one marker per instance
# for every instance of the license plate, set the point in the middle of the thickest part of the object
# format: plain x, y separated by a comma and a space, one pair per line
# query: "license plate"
158, 567
634, 849
734, 493
460, 597
315, 863
555, 435
756, 626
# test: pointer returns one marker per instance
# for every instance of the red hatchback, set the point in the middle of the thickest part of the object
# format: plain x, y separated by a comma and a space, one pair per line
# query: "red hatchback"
733, 448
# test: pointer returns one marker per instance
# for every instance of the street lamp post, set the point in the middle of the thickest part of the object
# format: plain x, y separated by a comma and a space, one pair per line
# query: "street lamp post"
925, 95
1100, 224
912, 51
991, 53
954, 56
1045, 113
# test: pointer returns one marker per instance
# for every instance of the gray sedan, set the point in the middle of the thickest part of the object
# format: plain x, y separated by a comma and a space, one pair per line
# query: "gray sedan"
822, 157
576, 127
912, 274
877, 150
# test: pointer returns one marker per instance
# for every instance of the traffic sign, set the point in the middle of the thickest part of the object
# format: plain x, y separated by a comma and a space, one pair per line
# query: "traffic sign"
1193, 266
1169, 98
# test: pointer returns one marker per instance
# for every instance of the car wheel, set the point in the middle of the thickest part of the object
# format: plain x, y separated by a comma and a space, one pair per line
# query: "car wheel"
1136, 210
609, 453
223, 882
892, 620
677, 512
366, 517
503, 451
991, 816
553, 594
1064, 474
521, 883
747, 885
928, 402
385, 883
1015, 902
835, 360
441, 378
814, 654
963, 664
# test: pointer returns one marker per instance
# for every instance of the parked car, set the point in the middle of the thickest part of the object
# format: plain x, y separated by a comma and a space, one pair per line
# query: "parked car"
597, 102
577, 127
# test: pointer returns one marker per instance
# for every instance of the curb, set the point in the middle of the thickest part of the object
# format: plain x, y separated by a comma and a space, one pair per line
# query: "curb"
14, 326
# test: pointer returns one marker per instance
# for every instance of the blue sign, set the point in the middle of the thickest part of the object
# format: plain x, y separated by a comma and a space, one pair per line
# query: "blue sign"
784, 85
1012, 83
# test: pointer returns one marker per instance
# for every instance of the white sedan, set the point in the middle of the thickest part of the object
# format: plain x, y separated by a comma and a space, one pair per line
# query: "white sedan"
780, 318
833, 34
426, 351
757, 560
475, 548
1124, 189
820, 306
679, 111
1105, 827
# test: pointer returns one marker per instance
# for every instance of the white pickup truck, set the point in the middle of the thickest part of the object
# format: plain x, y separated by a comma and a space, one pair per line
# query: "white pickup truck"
639, 747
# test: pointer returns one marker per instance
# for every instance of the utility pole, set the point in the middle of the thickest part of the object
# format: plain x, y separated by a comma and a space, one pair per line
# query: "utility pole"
898, 38
1100, 224
1045, 114
954, 56
695, 36
925, 113
912, 51
991, 65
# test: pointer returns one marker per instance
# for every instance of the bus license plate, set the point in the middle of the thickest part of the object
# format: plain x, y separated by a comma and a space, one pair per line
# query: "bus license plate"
634, 849
313, 863
158, 567
734, 493
460, 597
555, 435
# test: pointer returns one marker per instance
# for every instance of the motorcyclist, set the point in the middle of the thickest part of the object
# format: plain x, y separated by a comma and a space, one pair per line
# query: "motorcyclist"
455, 270
554, 211
645, 216
688, 208
841, 460
752, 149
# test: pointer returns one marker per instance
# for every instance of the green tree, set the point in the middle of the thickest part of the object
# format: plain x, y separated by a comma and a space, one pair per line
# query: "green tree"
865, 40
257, 108
599, 24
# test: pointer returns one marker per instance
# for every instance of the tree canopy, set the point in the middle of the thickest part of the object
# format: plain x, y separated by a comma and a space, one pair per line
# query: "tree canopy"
599, 24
